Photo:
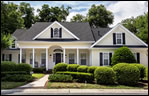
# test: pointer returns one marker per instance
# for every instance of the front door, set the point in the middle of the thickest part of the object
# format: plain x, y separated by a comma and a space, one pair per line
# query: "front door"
58, 58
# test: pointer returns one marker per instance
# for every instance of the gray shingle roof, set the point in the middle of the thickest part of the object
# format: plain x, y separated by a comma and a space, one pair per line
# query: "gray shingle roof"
82, 30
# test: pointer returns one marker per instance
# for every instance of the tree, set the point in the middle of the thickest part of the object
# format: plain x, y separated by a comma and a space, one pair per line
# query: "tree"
123, 55
78, 18
138, 25
99, 16
5, 41
27, 14
47, 14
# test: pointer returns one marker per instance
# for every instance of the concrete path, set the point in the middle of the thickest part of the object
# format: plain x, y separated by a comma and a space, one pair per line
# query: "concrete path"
75, 92
36, 84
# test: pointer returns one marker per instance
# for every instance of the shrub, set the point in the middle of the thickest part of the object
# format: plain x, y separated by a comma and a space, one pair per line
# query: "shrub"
80, 76
147, 73
17, 78
3, 74
60, 78
38, 70
141, 69
91, 69
123, 55
24, 67
127, 74
60, 67
8, 66
105, 75
72, 67
82, 68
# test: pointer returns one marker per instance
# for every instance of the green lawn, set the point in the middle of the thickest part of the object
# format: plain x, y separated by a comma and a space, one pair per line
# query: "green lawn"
38, 75
10, 85
90, 86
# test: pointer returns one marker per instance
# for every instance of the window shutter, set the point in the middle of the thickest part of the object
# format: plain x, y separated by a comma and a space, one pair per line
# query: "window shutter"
114, 38
101, 56
18, 58
123, 38
10, 57
51, 32
3, 57
110, 56
60, 32
138, 57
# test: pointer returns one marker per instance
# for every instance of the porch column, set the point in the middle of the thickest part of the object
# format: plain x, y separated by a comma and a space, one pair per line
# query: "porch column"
64, 55
46, 59
77, 56
20, 55
33, 59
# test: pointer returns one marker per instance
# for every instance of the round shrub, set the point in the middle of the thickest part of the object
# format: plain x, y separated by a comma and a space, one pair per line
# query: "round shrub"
123, 55
82, 68
91, 69
8, 66
24, 67
141, 69
72, 67
105, 75
127, 74
60, 67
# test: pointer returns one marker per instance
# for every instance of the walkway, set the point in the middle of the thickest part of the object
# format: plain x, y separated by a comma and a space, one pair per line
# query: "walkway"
36, 84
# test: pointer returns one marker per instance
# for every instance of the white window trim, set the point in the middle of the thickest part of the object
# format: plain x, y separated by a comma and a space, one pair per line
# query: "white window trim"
108, 58
119, 38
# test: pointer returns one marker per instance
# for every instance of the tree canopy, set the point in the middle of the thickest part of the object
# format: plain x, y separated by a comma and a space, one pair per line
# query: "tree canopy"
78, 18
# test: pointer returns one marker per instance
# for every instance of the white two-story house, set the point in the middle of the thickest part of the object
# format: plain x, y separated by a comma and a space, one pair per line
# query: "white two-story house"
48, 43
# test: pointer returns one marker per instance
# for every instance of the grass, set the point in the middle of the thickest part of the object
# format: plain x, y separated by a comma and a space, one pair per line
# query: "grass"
92, 86
38, 75
10, 85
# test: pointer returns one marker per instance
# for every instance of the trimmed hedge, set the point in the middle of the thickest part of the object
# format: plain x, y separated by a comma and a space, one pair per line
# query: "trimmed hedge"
105, 75
80, 76
17, 78
91, 69
123, 55
72, 67
8, 66
60, 78
39, 70
60, 67
142, 70
82, 68
3, 74
146, 72
24, 67
127, 74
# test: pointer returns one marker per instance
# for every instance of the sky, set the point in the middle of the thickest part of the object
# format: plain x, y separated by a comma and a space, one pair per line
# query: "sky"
120, 9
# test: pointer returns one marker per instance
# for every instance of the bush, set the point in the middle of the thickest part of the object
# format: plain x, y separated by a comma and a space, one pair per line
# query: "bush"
8, 66
82, 68
24, 67
3, 74
91, 69
72, 67
127, 74
147, 73
141, 69
105, 75
123, 55
18, 78
60, 67
80, 76
60, 78
39, 70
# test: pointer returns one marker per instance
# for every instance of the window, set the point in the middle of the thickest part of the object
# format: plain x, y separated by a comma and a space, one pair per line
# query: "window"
56, 32
118, 38
43, 59
71, 58
13, 44
83, 58
105, 59
31, 58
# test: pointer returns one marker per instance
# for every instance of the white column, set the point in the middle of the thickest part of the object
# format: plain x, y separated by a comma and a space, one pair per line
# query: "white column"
64, 55
33, 59
77, 56
20, 55
46, 59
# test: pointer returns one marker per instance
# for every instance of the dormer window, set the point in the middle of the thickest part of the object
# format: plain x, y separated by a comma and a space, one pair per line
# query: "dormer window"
118, 38
56, 32
13, 45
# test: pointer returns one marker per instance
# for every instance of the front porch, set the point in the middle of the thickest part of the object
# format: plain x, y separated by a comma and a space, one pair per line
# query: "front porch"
48, 57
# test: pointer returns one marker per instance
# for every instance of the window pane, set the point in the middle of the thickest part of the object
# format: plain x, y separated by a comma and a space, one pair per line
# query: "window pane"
118, 41
106, 62
105, 55
71, 58
83, 59
118, 35
56, 32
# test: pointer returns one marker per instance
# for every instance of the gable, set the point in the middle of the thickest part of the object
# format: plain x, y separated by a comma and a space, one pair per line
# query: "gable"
130, 38
46, 33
